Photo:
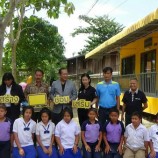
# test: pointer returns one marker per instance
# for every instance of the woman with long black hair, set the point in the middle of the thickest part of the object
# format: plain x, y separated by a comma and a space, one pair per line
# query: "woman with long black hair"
88, 93
9, 87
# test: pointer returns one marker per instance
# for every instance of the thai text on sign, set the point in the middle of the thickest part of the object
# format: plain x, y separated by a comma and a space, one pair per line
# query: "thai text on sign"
9, 99
61, 99
82, 103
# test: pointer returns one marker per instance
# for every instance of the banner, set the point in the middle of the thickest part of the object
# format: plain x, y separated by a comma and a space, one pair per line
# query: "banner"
61, 99
37, 99
82, 103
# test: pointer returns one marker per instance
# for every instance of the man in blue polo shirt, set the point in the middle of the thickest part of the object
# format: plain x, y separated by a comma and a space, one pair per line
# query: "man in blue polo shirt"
108, 93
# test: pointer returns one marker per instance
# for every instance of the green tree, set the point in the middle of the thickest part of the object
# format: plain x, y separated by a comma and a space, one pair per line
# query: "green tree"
9, 9
99, 29
40, 46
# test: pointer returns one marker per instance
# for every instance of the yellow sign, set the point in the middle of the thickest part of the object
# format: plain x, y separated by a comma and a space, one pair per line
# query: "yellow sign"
61, 99
37, 99
9, 99
82, 103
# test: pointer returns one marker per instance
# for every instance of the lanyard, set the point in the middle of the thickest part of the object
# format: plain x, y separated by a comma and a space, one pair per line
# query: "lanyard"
46, 130
26, 128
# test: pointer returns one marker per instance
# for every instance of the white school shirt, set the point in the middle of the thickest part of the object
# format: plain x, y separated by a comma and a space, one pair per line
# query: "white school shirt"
153, 135
67, 132
41, 129
136, 137
25, 137
8, 90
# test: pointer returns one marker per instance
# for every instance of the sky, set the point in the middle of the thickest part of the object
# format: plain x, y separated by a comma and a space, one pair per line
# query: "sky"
125, 12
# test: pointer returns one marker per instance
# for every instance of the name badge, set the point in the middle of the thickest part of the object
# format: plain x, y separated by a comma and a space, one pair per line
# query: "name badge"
82, 103
61, 99
9, 99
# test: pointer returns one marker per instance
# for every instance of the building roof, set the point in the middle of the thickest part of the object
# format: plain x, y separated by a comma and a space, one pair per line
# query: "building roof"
129, 34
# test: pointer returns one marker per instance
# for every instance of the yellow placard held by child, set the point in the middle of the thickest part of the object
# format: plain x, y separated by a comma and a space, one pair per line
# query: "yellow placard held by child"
61, 99
82, 103
37, 99
9, 99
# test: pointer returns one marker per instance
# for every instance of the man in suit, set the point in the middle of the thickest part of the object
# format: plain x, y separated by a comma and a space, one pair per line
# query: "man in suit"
62, 87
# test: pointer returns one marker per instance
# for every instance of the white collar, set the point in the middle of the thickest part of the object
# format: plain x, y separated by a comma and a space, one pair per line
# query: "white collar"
130, 91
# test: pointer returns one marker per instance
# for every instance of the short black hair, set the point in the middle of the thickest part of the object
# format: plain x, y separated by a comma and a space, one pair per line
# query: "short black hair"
68, 110
60, 70
114, 110
39, 70
134, 78
138, 114
47, 111
107, 69
156, 116
92, 109
8, 76
26, 108
2, 106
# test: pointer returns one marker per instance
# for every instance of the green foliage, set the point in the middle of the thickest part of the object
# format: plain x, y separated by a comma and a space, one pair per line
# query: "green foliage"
99, 29
53, 7
40, 46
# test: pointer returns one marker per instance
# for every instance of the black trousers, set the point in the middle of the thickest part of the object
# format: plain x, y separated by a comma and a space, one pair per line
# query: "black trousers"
5, 149
13, 112
57, 117
104, 114
82, 115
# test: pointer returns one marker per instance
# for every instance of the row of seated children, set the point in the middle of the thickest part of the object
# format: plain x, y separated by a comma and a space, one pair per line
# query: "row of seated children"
66, 133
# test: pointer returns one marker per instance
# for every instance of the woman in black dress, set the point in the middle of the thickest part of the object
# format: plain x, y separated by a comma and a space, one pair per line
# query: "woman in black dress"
88, 93
9, 87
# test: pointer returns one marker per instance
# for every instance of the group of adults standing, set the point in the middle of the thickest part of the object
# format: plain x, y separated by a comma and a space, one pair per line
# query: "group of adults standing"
106, 96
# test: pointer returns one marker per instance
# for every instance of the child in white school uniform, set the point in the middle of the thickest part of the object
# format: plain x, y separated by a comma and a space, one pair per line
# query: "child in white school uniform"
67, 136
45, 135
136, 138
24, 129
153, 135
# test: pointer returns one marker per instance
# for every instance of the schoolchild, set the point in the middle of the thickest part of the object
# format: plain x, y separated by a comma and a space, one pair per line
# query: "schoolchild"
153, 136
113, 132
45, 135
91, 135
5, 133
24, 129
67, 136
136, 138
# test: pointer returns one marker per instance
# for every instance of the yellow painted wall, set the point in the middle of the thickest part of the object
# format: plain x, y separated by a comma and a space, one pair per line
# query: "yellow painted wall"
137, 47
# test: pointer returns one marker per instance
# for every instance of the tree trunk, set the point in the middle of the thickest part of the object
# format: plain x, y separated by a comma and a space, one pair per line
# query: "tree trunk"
2, 31
14, 70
